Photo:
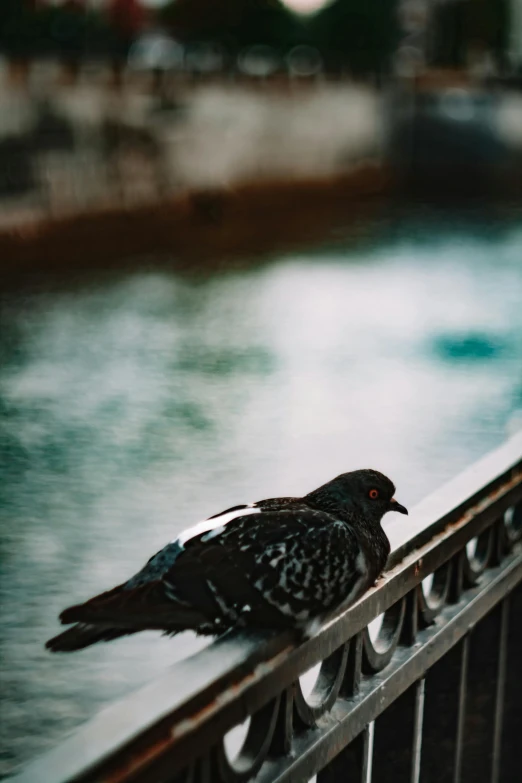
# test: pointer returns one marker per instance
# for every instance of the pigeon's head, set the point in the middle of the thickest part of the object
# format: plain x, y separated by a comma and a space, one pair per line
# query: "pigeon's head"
365, 492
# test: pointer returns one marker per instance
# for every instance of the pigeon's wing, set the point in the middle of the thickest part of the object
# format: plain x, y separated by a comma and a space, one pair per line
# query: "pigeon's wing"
268, 566
273, 568
144, 607
141, 602
147, 601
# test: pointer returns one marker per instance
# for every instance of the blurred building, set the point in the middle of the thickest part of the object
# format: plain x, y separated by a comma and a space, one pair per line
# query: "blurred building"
515, 40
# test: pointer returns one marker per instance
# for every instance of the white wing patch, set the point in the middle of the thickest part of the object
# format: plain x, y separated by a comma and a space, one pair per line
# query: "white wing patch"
213, 533
213, 527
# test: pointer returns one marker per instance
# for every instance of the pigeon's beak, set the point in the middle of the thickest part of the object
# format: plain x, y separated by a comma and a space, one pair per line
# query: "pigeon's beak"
395, 506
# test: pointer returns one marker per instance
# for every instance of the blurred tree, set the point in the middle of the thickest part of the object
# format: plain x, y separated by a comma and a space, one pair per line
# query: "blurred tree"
68, 35
125, 19
233, 23
460, 28
21, 27
71, 31
359, 34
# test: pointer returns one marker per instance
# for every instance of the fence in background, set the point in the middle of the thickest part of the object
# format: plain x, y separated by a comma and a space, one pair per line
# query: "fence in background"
434, 695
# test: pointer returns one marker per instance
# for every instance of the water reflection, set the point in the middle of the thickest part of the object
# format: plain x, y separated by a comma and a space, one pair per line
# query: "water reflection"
469, 347
133, 406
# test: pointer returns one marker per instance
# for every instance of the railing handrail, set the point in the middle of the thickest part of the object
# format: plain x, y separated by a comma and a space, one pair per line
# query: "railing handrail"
220, 686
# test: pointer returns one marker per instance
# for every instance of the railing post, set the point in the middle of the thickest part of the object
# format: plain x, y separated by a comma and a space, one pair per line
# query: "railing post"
352, 677
500, 691
443, 691
510, 752
353, 764
395, 737
485, 642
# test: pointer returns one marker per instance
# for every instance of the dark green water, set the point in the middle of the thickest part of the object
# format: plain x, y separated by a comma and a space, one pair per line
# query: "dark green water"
135, 405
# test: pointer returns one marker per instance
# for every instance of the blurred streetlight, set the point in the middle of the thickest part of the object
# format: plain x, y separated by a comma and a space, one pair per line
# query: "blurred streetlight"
304, 61
306, 6
153, 51
204, 59
259, 61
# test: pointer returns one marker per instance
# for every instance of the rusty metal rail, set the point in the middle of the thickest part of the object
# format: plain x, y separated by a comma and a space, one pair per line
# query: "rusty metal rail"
435, 695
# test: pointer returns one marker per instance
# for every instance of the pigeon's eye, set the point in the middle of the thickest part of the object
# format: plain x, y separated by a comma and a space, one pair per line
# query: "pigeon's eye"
374, 494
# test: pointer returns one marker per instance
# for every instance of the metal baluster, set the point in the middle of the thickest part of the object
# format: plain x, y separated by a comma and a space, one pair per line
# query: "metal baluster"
352, 764
410, 626
456, 578
393, 757
282, 739
501, 687
444, 686
352, 677
479, 722
461, 709
417, 731
512, 715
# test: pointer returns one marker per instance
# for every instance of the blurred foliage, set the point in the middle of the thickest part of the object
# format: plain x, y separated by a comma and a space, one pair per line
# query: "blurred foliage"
70, 31
360, 35
36, 29
22, 27
461, 27
233, 23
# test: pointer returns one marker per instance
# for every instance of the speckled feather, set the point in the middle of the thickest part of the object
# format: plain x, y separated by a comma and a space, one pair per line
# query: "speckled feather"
277, 563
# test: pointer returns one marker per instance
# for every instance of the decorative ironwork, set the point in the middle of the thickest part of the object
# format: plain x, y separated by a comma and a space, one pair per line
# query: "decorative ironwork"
326, 689
254, 749
378, 653
432, 600
436, 695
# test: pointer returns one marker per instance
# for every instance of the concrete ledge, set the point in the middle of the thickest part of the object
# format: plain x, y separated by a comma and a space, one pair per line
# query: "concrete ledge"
197, 226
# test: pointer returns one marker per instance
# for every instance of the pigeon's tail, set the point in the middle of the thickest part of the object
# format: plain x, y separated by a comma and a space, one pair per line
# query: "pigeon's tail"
82, 635
120, 612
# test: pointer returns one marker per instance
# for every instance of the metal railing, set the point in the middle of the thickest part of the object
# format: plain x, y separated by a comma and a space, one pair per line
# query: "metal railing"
436, 695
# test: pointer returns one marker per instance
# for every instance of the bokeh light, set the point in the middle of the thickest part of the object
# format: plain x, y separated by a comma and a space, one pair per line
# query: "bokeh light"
306, 6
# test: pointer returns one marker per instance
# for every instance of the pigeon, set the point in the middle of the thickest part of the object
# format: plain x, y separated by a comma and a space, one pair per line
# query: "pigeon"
281, 563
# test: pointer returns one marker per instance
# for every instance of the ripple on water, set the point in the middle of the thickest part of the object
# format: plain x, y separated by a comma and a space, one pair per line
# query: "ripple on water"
470, 347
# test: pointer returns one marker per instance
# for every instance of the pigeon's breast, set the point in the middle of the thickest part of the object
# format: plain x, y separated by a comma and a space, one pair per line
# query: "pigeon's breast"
307, 575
